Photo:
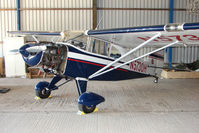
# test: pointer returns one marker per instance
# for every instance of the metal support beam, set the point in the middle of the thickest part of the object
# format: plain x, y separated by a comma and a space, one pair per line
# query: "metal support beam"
171, 3
171, 9
94, 14
119, 9
18, 15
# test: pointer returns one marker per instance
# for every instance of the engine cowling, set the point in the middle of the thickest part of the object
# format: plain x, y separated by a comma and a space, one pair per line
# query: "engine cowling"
49, 56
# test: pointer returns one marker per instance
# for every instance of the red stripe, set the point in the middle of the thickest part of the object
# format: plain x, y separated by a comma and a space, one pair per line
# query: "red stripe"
95, 64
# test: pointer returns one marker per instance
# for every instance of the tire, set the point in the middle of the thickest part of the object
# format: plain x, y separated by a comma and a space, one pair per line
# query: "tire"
43, 93
86, 109
155, 81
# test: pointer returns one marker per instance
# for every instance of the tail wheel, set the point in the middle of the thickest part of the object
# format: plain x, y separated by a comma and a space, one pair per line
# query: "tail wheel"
86, 109
43, 93
155, 80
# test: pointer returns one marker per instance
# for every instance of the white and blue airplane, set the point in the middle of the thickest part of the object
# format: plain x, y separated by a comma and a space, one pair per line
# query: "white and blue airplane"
103, 55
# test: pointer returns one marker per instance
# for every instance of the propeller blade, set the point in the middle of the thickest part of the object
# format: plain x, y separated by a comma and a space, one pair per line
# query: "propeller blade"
14, 51
36, 49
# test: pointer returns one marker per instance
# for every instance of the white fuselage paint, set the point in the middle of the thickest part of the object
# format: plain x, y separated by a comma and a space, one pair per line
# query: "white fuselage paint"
136, 66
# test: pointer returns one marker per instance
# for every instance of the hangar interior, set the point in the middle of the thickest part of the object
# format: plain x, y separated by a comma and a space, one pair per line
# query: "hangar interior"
131, 105
70, 15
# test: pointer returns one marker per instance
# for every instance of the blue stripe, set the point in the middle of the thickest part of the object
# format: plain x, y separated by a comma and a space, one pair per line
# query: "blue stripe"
191, 26
187, 26
127, 30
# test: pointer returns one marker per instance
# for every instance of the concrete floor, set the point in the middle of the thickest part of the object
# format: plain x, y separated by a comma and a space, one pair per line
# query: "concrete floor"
131, 106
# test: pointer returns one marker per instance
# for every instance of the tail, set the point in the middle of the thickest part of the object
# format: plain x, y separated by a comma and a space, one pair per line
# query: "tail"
155, 63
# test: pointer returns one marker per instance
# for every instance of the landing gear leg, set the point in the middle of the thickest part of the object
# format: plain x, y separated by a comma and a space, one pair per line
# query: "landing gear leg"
81, 85
87, 101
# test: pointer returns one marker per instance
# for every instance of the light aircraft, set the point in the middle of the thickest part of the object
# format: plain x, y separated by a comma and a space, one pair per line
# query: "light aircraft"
103, 55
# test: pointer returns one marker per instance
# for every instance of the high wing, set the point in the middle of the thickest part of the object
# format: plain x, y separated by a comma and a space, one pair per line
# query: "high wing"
65, 35
160, 36
35, 33
186, 33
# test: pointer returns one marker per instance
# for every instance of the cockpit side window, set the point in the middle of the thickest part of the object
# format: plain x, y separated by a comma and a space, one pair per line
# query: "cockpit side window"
104, 48
80, 42
96, 46
114, 52
99, 47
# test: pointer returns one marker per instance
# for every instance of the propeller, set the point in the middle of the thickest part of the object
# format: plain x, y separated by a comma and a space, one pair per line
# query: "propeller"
14, 51
33, 49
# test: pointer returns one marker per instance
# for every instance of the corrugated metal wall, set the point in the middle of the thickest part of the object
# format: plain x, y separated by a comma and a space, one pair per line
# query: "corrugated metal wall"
46, 15
137, 12
183, 16
59, 15
125, 13
56, 15
183, 54
7, 17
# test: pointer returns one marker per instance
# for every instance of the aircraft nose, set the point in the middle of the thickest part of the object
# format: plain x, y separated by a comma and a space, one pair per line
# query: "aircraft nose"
28, 58
23, 50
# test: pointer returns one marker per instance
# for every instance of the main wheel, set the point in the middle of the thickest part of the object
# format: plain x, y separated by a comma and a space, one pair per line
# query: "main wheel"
86, 109
43, 93
155, 80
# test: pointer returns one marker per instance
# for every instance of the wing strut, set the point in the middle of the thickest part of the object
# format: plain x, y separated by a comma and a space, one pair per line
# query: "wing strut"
33, 36
169, 45
123, 56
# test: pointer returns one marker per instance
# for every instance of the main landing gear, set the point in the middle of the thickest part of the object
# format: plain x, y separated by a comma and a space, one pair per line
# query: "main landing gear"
86, 109
87, 101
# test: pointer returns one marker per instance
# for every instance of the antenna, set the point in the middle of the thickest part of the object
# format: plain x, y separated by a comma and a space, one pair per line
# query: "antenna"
99, 22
